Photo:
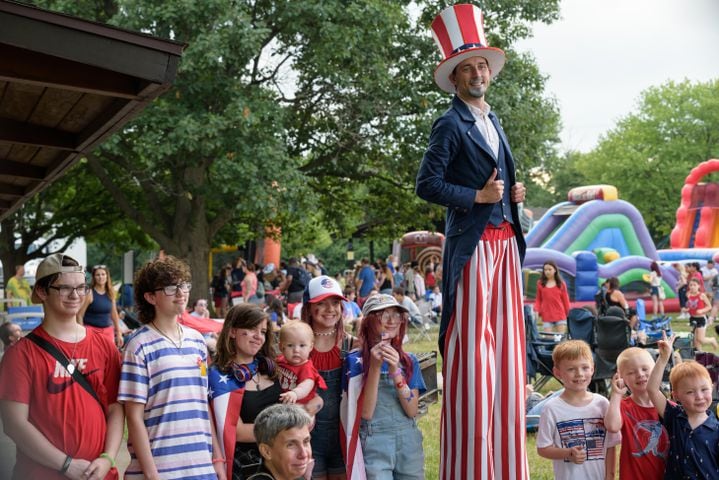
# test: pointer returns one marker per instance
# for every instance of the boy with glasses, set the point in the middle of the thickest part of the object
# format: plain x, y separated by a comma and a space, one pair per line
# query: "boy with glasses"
164, 383
61, 409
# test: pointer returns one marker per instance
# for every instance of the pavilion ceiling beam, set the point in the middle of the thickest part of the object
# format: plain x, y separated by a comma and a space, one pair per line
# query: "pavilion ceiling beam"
24, 66
10, 190
12, 131
22, 170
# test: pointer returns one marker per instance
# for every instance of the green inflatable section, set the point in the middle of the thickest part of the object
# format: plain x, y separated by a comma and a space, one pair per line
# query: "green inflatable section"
610, 220
637, 275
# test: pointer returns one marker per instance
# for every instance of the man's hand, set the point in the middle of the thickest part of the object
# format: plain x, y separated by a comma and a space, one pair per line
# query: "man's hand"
492, 191
518, 192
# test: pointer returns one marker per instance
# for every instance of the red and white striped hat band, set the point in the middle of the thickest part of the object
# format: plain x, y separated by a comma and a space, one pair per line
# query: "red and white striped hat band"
459, 33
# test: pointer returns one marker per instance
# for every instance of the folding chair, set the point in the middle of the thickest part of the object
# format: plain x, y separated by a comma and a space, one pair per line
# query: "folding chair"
418, 328
27, 317
613, 336
711, 362
581, 326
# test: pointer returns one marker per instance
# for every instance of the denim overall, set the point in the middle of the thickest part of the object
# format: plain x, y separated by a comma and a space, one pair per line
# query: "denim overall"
326, 447
391, 441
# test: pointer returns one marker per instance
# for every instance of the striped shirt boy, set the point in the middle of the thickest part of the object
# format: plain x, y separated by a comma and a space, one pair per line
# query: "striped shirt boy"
171, 381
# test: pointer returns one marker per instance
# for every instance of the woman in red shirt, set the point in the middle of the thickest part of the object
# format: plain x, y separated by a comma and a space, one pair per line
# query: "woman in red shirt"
552, 301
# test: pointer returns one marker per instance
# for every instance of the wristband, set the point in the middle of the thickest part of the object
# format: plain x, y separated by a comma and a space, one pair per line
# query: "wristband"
397, 373
219, 460
107, 456
66, 465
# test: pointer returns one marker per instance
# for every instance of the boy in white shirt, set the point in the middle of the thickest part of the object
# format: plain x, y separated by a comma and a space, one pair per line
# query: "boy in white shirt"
571, 426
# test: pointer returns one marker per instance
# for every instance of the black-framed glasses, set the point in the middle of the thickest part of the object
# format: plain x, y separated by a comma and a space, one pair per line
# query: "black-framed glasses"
171, 290
66, 290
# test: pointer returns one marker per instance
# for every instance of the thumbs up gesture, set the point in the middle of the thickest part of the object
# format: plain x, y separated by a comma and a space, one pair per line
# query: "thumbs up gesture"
492, 191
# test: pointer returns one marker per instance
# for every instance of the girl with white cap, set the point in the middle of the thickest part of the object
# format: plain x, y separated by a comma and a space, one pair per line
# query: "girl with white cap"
322, 310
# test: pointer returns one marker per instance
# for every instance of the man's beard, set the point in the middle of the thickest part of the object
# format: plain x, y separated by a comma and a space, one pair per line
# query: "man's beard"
477, 91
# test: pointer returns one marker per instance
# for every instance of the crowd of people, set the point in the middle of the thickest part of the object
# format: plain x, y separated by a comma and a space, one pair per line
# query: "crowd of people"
190, 414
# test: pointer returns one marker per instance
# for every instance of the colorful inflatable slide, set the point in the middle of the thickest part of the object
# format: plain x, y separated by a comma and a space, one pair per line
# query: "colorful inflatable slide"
698, 214
578, 235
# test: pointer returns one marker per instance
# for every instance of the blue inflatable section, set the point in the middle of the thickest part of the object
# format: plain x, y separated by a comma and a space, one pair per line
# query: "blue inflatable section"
610, 237
585, 283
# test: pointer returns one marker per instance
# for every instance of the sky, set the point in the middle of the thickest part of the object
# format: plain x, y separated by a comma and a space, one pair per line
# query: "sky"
601, 55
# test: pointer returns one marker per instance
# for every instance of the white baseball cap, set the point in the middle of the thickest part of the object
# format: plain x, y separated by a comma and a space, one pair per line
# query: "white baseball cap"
322, 287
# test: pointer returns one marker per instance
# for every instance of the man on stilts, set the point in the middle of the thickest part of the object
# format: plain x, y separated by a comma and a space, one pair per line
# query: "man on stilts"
468, 167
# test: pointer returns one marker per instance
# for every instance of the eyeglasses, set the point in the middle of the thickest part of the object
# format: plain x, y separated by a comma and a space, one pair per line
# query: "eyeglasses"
391, 315
171, 290
66, 290
97, 267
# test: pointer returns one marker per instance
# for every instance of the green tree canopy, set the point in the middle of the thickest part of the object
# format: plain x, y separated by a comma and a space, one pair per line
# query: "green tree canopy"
648, 155
286, 112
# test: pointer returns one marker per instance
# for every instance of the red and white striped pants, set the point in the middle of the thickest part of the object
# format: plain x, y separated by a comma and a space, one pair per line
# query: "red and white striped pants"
483, 433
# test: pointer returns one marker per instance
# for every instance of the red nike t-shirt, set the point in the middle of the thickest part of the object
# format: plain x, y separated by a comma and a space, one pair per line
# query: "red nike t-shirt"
63, 411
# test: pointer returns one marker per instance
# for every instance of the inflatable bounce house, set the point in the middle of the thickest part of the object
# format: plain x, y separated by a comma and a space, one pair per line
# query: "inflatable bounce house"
591, 237
696, 232
594, 236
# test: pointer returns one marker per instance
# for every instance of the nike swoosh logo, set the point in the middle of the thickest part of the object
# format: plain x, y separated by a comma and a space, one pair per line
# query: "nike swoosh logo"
53, 387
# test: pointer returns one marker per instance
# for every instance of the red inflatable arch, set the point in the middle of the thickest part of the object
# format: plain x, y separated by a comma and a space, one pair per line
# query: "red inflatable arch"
699, 201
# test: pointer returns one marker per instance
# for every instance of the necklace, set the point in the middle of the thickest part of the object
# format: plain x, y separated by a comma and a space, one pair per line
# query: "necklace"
70, 366
325, 334
179, 334
256, 380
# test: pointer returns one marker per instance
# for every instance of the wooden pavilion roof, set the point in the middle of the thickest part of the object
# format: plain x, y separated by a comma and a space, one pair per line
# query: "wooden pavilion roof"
66, 85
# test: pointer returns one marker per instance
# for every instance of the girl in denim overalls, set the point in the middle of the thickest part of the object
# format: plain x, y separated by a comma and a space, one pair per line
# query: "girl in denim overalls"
322, 310
390, 439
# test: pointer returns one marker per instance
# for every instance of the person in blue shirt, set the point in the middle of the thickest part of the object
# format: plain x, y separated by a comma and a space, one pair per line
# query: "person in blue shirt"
693, 429
365, 281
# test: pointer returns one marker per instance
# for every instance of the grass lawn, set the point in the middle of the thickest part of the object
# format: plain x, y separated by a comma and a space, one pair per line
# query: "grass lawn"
539, 468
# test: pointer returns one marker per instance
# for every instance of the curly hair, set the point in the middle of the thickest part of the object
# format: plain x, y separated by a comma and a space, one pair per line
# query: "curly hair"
155, 274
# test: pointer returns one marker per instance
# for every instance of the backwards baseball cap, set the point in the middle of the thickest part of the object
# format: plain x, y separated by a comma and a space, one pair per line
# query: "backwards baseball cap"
50, 266
320, 288
380, 301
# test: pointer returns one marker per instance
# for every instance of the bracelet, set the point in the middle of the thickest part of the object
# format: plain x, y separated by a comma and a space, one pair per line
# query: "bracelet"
397, 373
107, 456
219, 460
66, 465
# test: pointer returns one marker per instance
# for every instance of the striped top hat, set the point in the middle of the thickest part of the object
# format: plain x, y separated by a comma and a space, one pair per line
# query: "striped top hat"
459, 33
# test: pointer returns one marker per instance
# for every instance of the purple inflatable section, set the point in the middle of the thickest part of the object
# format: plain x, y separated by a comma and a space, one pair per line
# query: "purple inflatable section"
544, 227
583, 216
535, 258
621, 265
